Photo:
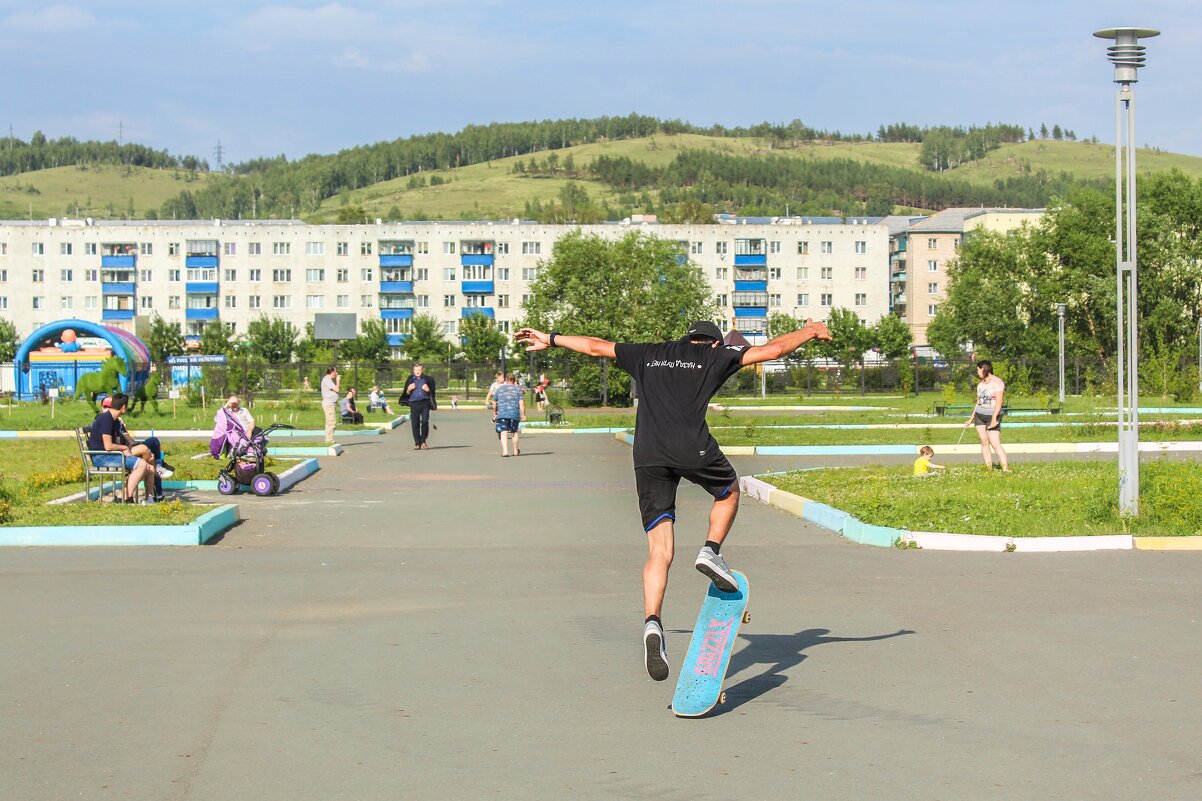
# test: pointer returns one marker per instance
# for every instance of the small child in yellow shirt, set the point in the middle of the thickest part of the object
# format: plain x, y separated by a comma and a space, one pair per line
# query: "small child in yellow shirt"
923, 464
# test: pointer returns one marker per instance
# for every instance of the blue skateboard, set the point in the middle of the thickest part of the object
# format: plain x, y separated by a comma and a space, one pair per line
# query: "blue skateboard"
700, 683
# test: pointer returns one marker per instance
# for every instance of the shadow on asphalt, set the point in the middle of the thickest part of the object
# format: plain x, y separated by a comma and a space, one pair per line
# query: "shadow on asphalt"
780, 652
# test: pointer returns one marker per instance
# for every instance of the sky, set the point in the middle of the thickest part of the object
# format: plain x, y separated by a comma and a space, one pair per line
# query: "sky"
316, 77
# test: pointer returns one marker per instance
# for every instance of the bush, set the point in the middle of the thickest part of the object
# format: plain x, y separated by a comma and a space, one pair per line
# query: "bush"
8, 501
585, 389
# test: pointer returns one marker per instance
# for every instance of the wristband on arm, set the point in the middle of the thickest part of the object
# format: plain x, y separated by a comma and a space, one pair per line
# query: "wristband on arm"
551, 339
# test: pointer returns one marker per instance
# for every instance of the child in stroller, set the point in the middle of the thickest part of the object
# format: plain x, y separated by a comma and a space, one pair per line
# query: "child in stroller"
247, 455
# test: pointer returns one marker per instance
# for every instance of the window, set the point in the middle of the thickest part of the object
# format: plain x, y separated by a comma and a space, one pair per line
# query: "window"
343, 249
315, 301
256, 275
39, 303
723, 300
774, 247
281, 275
315, 248
423, 273
502, 273
720, 248
827, 299
828, 273
933, 288
281, 248
315, 275
932, 309
502, 301
449, 327
88, 275
803, 299
68, 303
448, 274
173, 248
861, 246
502, 248
932, 266
254, 302
365, 301
343, 275
39, 249
932, 244
231, 275
231, 301
956, 243
448, 301
721, 273
696, 248
145, 301
448, 248
254, 248
774, 299
174, 276
281, 301
861, 298
145, 276
146, 248
861, 273
343, 302
230, 248
39, 276
67, 276
529, 273
532, 248
774, 272
365, 248
64, 248
803, 248
366, 274
3, 276
202, 274
477, 272
3, 302
172, 301
423, 301
803, 273
828, 247
89, 249
423, 248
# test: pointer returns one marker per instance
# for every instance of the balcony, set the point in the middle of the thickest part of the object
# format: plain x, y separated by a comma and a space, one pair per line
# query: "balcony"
128, 261
398, 287
396, 314
486, 311
396, 340
202, 287
477, 287
899, 299
118, 288
200, 314
201, 261
749, 299
751, 259
477, 259
751, 311
116, 314
396, 259
751, 286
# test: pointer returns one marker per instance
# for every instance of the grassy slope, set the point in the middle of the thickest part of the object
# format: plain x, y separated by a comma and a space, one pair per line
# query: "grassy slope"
1082, 159
60, 188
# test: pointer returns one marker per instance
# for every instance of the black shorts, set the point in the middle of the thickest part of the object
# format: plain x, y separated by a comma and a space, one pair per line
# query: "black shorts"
657, 487
979, 419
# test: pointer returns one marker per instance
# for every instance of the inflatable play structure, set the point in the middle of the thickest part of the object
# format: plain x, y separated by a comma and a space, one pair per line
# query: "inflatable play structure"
59, 354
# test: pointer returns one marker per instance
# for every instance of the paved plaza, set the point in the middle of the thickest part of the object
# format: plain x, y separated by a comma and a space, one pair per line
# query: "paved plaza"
448, 624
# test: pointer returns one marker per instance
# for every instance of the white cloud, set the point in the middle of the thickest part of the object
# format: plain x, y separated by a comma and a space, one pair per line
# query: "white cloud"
354, 58
51, 19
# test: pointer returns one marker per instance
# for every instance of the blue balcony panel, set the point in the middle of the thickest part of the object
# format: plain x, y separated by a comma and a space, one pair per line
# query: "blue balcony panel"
396, 340
202, 287
487, 311
751, 311
396, 314
200, 261
752, 260
200, 314
119, 261
477, 259
118, 288
751, 286
396, 260
117, 314
477, 287
398, 287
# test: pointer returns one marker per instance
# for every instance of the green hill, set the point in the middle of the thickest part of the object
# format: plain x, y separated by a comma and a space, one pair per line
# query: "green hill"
93, 191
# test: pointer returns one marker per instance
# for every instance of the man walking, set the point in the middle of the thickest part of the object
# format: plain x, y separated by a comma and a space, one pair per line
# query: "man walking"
511, 411
329, 401
672, 441
419, 394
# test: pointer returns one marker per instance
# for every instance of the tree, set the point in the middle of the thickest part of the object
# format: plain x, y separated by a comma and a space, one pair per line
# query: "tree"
781, 323
1057, 133
482, 340
1043, 130
892, 336
849, 337
8, 341
272, 338
353, 214
164, 339
371, 345
216, 340
425, 339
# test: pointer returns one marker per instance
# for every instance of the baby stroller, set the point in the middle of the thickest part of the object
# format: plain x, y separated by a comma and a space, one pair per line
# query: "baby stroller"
247, 457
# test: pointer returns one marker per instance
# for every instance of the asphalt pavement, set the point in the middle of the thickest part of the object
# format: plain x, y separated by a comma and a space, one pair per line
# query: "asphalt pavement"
449, 624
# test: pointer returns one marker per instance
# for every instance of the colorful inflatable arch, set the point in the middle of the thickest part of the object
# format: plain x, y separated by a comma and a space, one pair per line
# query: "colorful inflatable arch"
56, 355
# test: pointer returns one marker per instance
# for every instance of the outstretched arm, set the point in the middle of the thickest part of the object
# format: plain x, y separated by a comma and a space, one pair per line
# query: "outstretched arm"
785, 344
534, 339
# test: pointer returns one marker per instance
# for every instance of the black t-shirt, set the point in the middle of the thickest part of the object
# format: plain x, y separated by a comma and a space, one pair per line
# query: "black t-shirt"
104, 423
676, 381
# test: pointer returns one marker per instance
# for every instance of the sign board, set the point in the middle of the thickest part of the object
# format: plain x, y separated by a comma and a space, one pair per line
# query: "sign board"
52, 392
335, 325
173, 394
193, 360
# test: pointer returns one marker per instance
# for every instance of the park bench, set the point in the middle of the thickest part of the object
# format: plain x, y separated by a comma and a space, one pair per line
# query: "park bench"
89, 469
1052, 408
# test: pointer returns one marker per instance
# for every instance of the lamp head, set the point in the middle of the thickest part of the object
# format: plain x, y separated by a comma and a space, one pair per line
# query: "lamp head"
1127, 54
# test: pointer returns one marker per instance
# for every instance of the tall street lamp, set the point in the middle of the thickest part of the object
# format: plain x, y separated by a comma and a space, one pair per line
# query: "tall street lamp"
1127, 55
1060, 314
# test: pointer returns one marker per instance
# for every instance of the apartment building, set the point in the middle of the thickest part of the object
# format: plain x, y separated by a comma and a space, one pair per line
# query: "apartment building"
219, 272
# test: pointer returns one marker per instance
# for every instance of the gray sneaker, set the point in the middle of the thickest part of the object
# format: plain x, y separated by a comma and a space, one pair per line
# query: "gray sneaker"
657, 655
714, 566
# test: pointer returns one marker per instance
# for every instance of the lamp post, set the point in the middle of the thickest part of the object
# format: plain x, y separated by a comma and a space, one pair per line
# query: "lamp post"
1127, 55
1060, 314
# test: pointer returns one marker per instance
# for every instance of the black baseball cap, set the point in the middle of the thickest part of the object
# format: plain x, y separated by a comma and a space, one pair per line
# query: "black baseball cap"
703, 329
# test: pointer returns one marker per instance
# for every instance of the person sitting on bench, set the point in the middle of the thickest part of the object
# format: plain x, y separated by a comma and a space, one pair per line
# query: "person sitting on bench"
350, 414
105, 435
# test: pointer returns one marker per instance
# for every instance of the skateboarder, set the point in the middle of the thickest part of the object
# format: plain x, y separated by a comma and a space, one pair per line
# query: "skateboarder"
672, 441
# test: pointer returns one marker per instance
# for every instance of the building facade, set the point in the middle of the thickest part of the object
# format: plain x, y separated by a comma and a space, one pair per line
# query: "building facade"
218, 272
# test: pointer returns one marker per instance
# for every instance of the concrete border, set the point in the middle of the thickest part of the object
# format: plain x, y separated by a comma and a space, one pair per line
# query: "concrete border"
198, 532
289, 478
294, 452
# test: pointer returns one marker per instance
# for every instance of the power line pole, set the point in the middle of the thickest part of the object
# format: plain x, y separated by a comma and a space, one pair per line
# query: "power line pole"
218, 152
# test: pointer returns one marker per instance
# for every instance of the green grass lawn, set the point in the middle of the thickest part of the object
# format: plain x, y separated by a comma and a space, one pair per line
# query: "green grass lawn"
98, 191
1043, 499
35, 416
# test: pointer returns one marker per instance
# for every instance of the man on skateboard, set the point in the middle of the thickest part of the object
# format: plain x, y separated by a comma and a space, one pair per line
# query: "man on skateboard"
676, 380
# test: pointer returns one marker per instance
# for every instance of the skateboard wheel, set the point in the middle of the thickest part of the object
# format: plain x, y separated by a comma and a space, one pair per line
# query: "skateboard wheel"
722, 697
746, 617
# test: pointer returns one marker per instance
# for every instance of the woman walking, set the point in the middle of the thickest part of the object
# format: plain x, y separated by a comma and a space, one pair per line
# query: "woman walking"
987, 414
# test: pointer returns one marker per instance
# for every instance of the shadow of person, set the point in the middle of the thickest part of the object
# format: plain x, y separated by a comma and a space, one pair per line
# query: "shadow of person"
780, 653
